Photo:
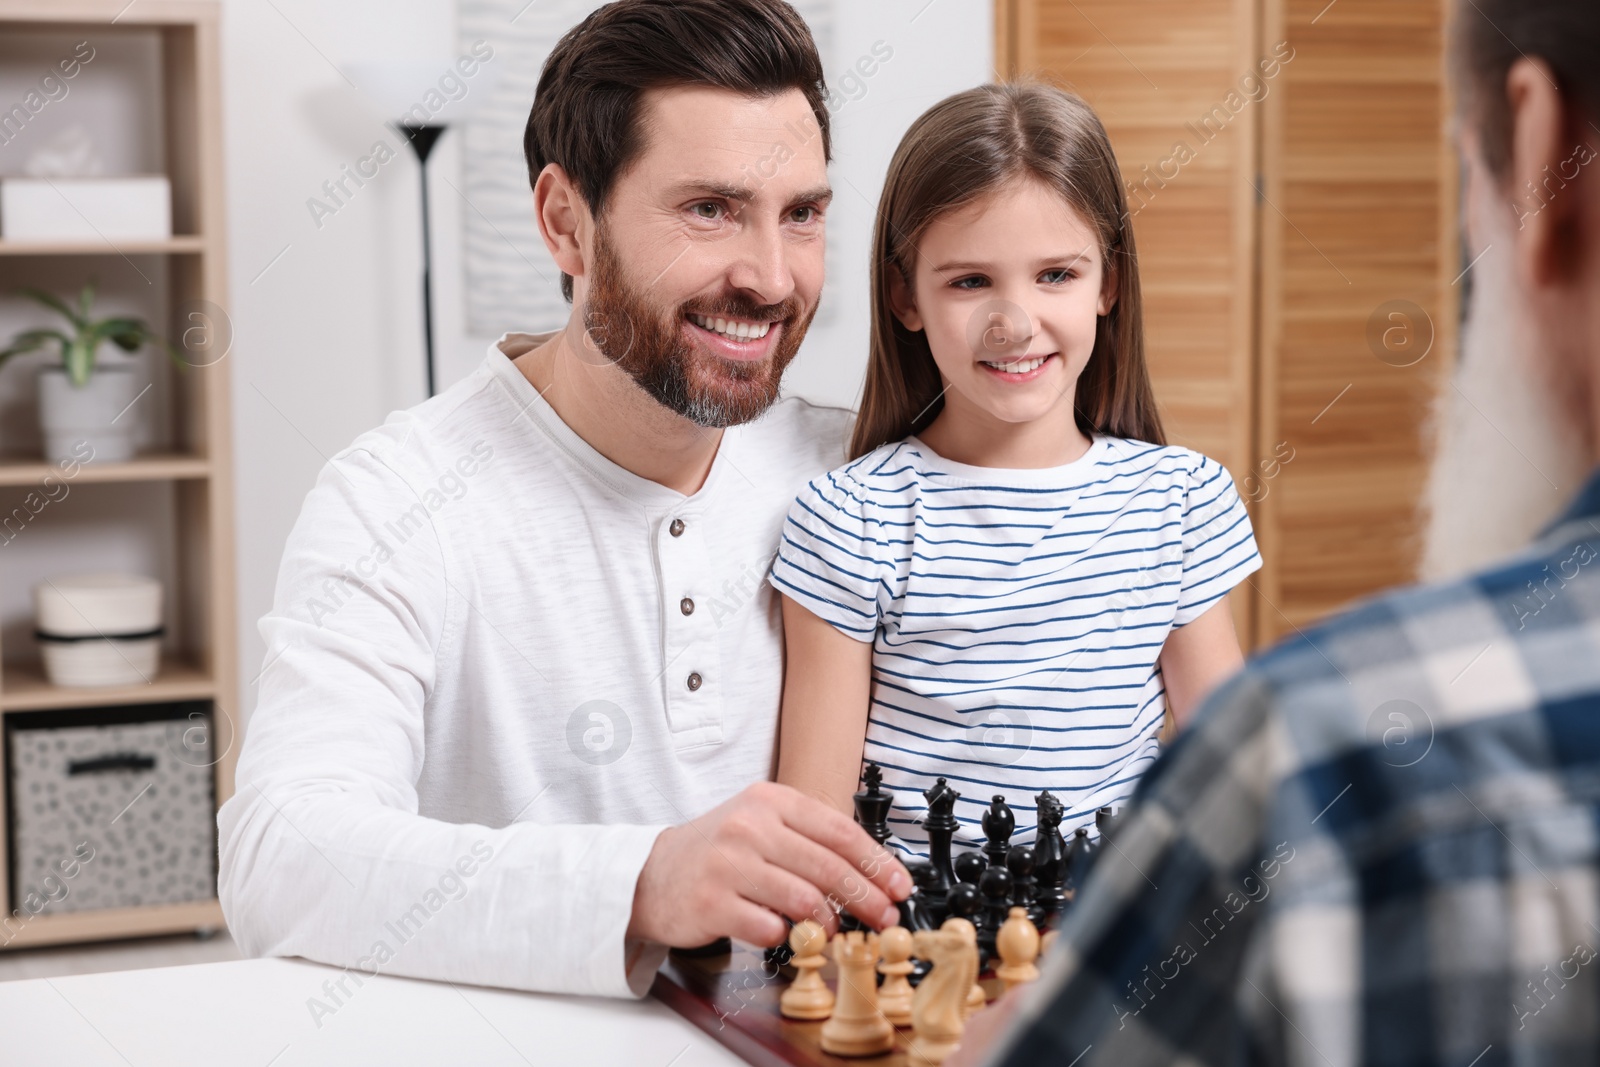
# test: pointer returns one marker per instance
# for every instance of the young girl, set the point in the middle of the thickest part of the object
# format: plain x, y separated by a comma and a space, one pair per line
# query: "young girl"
1015, 577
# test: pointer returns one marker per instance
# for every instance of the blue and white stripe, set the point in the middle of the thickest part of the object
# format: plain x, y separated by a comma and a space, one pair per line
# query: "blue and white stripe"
1016, 615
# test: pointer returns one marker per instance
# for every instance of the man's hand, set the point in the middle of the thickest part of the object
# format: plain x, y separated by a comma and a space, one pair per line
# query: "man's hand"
766, 853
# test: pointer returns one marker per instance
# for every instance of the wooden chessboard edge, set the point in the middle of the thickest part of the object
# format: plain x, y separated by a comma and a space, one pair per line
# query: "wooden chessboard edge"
741, 1043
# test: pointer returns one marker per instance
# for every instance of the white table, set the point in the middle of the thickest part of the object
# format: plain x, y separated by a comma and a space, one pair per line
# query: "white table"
253, 1013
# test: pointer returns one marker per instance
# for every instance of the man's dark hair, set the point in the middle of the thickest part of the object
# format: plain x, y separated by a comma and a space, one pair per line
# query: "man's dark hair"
1491, 35
585, 113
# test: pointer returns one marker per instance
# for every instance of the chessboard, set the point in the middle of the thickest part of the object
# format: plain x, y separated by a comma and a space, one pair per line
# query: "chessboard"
732, 998
973, 925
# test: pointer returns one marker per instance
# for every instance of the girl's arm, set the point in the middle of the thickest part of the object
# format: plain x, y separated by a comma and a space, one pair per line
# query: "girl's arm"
827, 690
1197, 658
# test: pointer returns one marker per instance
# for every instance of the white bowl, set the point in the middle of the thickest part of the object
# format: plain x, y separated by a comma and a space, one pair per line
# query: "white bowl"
100, 662
97, 605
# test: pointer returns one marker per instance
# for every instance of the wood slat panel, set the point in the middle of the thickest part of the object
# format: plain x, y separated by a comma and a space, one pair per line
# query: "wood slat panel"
1257, 310
1361, 212
1151, 70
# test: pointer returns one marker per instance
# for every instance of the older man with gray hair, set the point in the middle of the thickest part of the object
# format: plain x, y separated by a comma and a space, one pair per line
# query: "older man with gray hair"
1380, 843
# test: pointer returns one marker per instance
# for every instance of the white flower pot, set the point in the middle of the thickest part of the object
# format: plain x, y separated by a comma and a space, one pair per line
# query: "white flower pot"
96, 414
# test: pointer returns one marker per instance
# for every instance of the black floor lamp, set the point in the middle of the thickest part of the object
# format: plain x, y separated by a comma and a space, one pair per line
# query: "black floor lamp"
423, 138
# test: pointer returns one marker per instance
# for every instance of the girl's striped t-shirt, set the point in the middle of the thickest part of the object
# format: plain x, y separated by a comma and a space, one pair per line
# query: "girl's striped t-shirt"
1016, 616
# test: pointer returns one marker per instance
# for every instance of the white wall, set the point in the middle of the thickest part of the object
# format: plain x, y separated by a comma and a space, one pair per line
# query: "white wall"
327, 320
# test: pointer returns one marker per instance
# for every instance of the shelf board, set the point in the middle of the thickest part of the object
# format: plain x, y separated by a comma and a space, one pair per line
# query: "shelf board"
157, 467
23, 687
104, 924
104, 247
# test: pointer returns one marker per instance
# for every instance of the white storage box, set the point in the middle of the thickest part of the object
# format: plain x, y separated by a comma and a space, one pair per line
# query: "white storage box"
99, 629
86, 209
110, 807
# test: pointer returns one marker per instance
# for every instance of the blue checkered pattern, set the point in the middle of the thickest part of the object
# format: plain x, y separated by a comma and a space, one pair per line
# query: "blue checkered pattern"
1376, 845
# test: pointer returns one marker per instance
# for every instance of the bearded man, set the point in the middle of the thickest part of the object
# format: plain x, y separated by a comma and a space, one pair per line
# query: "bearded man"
1380, 843
521, 693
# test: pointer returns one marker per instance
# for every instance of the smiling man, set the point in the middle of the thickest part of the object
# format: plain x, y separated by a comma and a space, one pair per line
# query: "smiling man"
520, 700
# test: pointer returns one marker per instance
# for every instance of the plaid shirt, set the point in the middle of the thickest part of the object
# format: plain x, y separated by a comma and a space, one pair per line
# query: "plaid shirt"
1379, 844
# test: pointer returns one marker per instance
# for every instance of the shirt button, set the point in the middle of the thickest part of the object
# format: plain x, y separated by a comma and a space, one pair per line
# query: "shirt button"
686, 606
676, 529
694, 681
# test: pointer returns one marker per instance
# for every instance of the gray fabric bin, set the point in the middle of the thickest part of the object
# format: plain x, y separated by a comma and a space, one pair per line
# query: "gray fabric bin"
110, 808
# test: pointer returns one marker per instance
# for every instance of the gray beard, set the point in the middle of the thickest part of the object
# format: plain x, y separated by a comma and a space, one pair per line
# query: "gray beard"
1508, 458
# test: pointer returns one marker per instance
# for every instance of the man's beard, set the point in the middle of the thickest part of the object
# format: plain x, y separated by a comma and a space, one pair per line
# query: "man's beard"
646, 341
1509, 455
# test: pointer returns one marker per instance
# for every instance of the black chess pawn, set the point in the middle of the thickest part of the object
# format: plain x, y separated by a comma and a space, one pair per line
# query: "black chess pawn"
914, 913
941, 829
1024, 887
998, 824
1050, 858
1079, 855
873, 804
996, 889
969, 867
965, 902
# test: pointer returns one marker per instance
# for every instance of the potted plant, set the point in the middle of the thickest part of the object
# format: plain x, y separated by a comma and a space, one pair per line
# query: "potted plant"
82, 400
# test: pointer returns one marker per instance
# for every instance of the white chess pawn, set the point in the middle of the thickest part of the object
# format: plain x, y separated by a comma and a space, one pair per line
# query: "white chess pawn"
894, 996
809, 997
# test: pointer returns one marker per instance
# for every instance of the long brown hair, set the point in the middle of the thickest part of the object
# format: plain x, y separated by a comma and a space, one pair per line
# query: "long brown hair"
963, 148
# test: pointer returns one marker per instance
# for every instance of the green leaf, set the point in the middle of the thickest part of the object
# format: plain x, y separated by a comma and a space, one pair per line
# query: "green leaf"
55, 303
32, 341
127, 334
79, 361
86, 300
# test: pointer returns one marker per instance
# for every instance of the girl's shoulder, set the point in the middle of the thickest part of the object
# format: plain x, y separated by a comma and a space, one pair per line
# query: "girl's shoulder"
887, 470
1125, 456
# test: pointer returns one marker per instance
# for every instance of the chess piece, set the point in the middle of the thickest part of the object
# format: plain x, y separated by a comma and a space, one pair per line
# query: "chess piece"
808, 996
872, 814
1018, 945
964, 902
1024, 889
873, 804
777, 957
894, 995
976, 998
914, 913
936, 1009
1104, 820
1079, 855
1050, 859
969, 867
857, 1027
941, 827
996, 890
998, 824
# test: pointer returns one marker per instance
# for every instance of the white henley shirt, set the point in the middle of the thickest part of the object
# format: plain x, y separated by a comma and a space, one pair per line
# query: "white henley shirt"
497, 666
